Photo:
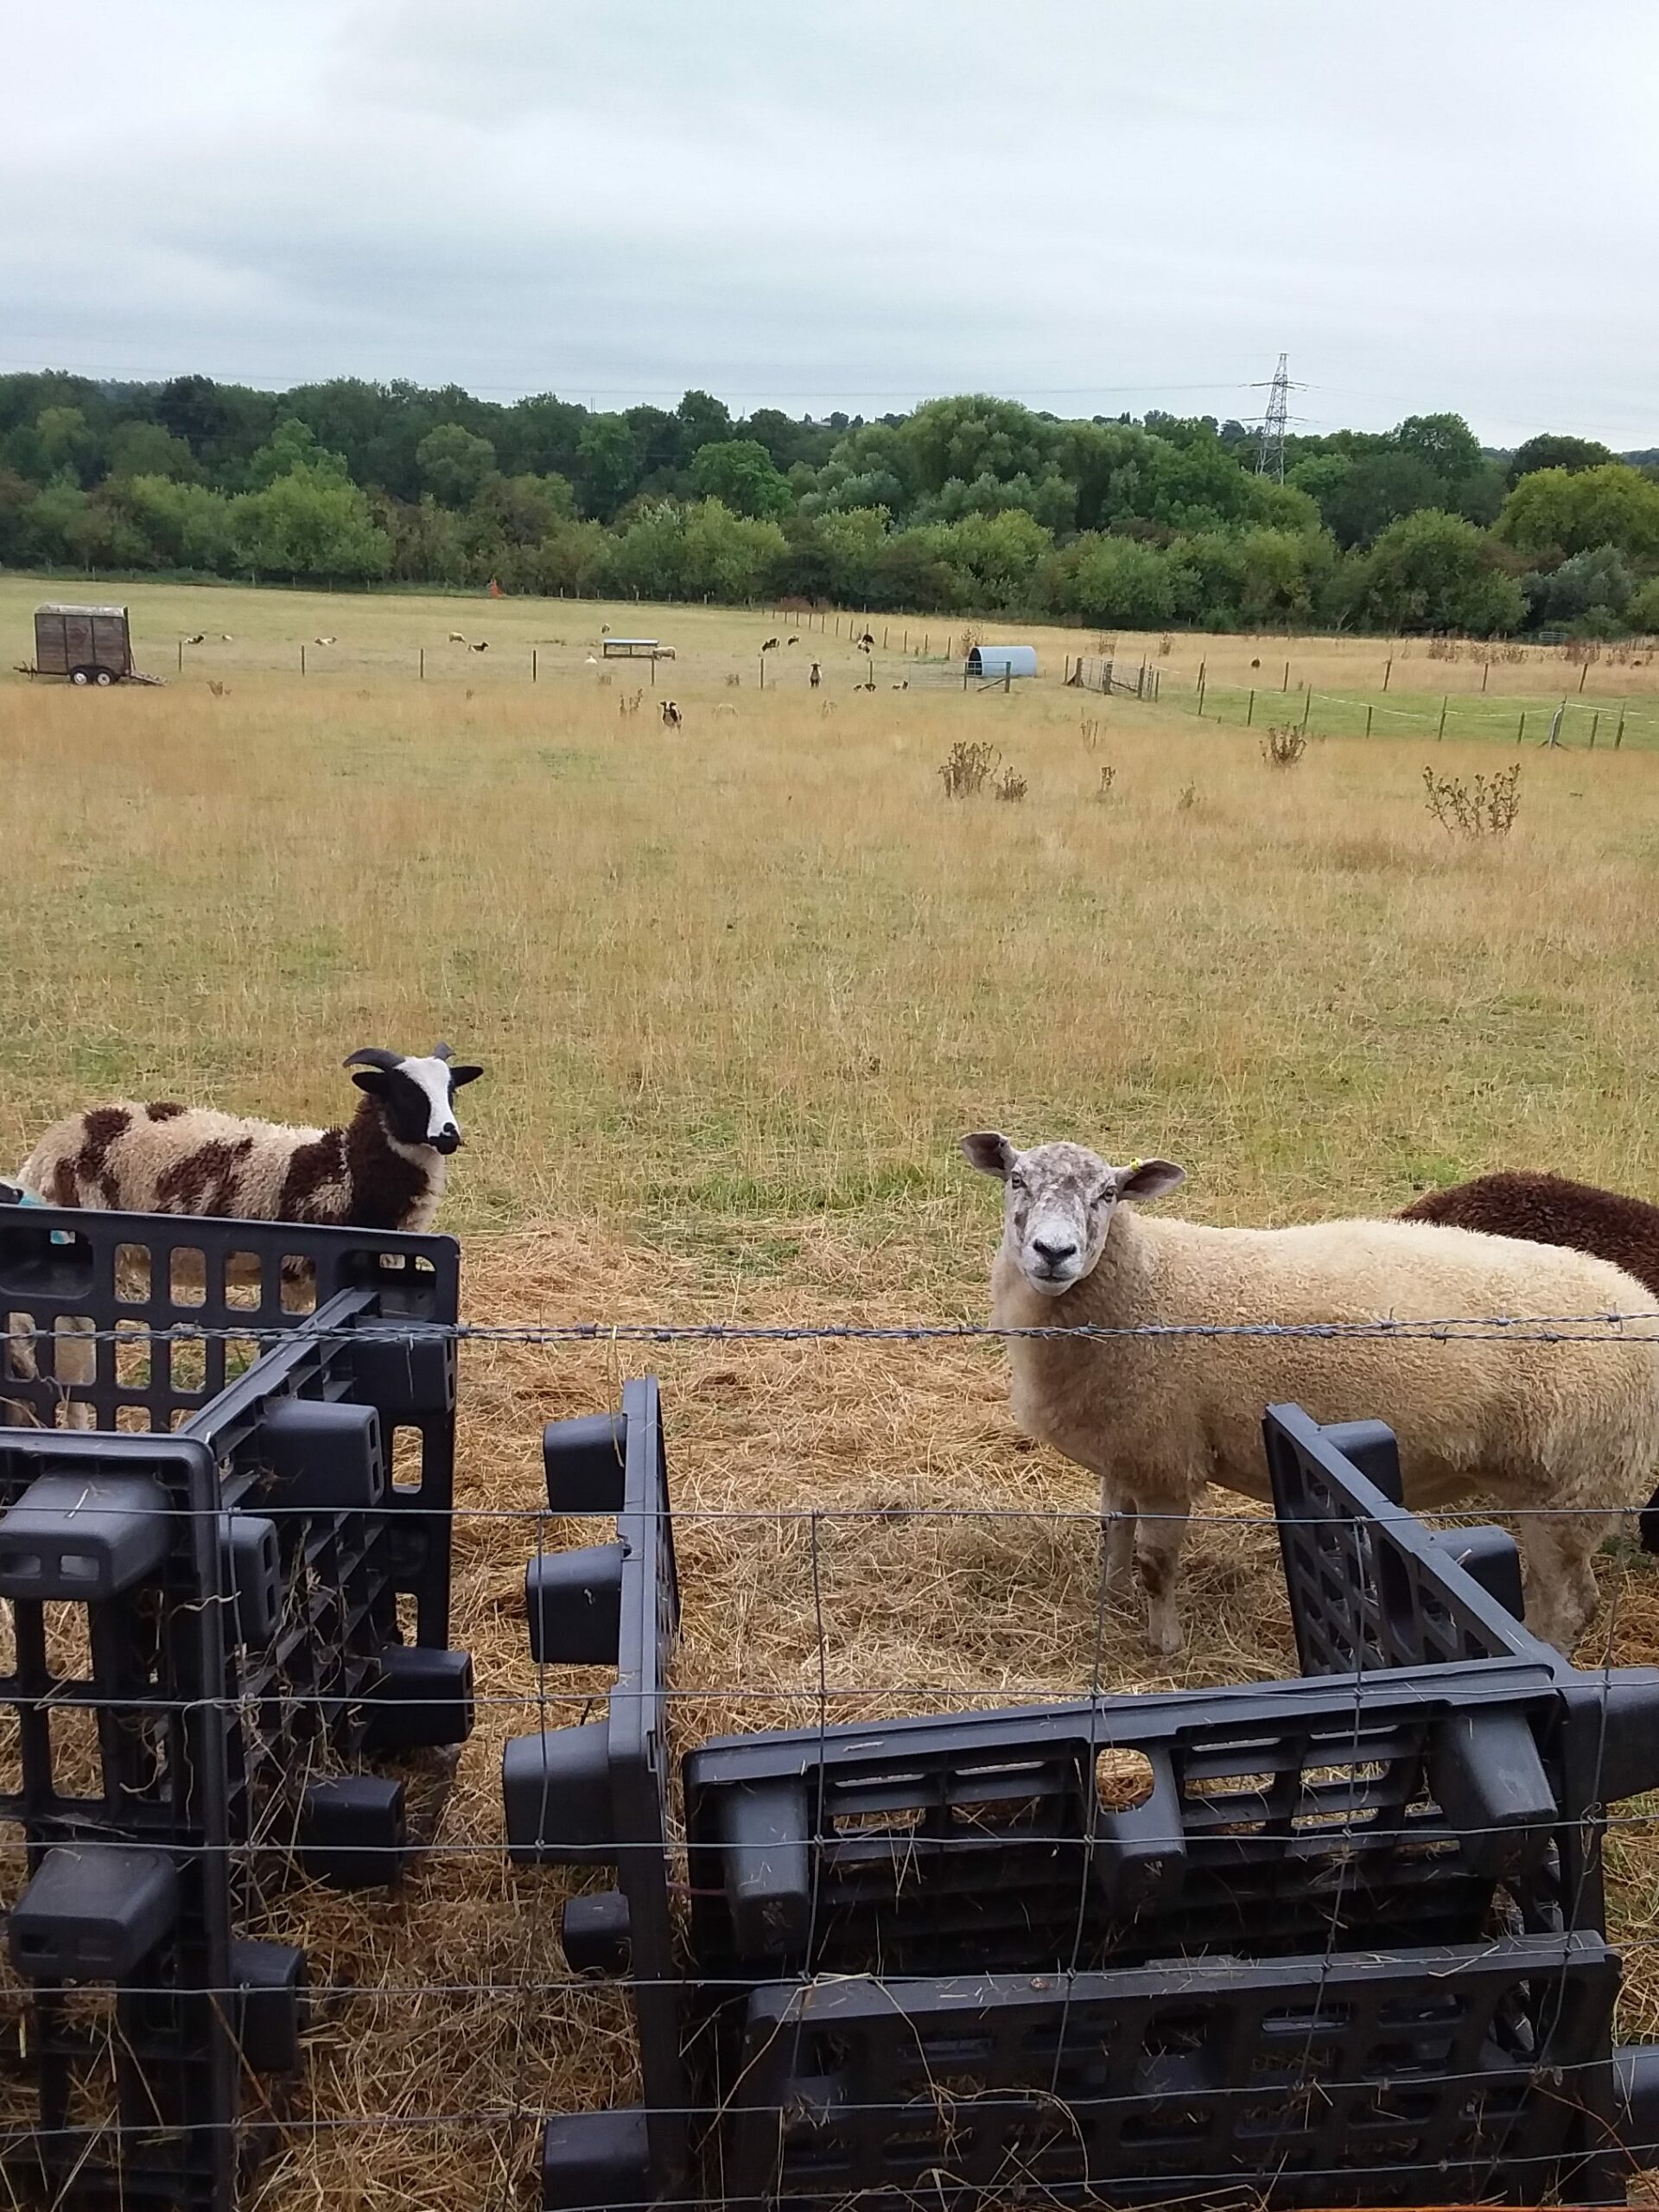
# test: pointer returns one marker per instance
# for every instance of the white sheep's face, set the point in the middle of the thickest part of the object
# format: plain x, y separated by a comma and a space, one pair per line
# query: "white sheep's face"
1058, 1201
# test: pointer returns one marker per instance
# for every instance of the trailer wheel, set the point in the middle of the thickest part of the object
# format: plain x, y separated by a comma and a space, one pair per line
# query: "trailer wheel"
103, 677
81, 676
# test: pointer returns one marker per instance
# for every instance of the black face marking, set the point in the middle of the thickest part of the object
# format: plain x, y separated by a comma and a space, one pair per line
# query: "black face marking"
409, 1108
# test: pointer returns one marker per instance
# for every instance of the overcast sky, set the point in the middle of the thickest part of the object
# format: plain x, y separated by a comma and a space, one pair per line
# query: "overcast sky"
1091, 204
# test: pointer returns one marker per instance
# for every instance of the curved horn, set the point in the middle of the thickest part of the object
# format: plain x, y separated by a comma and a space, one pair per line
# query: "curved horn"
442, 1052
373, 1056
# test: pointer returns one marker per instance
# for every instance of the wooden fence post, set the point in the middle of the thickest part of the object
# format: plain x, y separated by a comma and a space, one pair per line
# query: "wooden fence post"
1387, 672
1369, 711
1521, 733
1583, 672
1286, 683
1307, 704
1441, 731
1249, 711
301, 660
1486, 676
422, 669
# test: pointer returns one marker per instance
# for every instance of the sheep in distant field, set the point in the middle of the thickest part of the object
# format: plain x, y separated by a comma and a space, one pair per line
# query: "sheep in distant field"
816, 677
325, 641
670, 715
455, 637
225, 638
385, 1170
770, 646
1556, 1428
200, 638
482, 646
791, 641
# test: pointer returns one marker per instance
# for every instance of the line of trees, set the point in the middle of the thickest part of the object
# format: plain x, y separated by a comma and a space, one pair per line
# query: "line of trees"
971, 504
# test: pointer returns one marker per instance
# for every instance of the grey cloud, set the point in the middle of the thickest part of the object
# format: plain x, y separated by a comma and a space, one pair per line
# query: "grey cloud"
1089, 203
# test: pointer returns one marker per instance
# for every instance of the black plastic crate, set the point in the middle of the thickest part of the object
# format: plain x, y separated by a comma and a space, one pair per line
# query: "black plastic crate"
335, 1448
1291, 1816
1372, 1591
114, 1777
234, 1568
1425, 2075
301, 1442
182, 1289
597, 1793
1370, 1586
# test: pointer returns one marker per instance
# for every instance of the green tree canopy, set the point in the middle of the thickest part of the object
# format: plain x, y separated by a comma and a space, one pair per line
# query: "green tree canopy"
1549, 449
703, 421
607, 465
308, 522
1114, 582
146, 449
66, 440
293, 445
1555, 513
1433, 571
741, 473
453, 464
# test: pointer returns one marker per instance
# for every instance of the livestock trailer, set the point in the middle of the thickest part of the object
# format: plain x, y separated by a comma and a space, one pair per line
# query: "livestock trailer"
1002, 660
89, 645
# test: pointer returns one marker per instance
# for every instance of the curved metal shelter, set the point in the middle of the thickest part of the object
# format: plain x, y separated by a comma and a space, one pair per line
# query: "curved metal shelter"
1002, 660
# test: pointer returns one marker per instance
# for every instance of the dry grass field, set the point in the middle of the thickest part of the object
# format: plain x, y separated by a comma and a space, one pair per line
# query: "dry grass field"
738, 986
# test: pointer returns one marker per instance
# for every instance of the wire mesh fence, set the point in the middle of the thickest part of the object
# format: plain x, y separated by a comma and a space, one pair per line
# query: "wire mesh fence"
787, 1847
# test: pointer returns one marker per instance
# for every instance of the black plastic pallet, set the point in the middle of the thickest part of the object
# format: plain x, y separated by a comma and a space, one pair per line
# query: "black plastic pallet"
116, 1783
1450, 1801
1427, 2075
1426, 1802
183, 1288
1370, 1586
225, 1560
597, 1793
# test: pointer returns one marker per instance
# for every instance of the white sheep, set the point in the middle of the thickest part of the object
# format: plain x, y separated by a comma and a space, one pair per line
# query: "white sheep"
385, 1170
1551, 1429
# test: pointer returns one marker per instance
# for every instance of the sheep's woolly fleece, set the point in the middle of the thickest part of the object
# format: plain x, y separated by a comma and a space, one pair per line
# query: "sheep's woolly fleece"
1543, 1209
165, 1157
1540, 1427
1567, 1423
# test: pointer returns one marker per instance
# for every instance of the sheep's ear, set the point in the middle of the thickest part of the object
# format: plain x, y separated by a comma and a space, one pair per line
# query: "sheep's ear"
464, 1075
991, 1152
1149, 1179
372, 1080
